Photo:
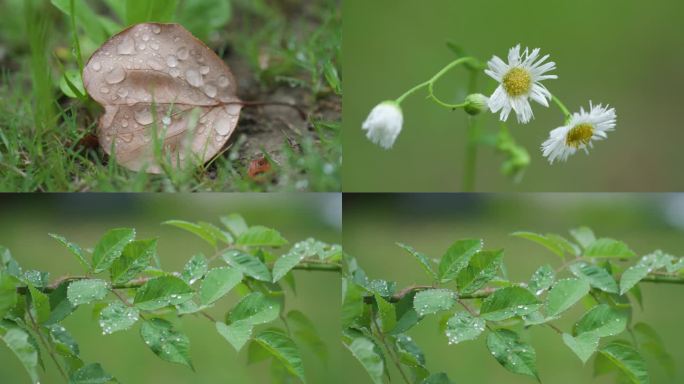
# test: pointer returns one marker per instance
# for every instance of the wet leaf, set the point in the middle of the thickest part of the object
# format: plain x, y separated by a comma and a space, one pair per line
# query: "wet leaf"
150, 78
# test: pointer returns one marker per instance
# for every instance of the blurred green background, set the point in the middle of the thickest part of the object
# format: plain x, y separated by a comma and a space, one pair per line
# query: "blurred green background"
431, 222
26, 220
627, 53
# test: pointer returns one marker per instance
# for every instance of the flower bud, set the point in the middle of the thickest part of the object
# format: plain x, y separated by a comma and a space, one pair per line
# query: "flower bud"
383, 124
475, 103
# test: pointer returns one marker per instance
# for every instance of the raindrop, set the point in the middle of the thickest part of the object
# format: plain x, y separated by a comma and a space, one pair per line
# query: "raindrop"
142, 46
145, 37
124, 123
116, 76
182, 53
171, 61
122, 92
174, 72
155, 45
210, 90
223, 81
97, 66
167, 120
156, 29
204, 69
154, 64
223, 126
194, 78
126, 47
143, 117
104, 90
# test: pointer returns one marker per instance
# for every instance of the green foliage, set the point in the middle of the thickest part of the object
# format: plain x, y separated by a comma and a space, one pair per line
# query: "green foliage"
136, 294
472, 296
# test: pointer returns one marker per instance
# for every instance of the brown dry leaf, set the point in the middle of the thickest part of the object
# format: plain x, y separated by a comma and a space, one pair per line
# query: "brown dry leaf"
159, 83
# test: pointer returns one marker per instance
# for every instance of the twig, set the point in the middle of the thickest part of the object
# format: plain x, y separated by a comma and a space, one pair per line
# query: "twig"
46, 345
389, 350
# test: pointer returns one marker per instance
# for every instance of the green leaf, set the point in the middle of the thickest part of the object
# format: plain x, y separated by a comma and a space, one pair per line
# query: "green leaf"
18, 341
40, 303
162, 291
584, 236
646, 265
386, 313
166, 342
237, 334
652, 343
482, 268
508, 302
216, 232
86, 19
249, 265
548, 242
564, 294
136, 256
255, 308
286, 262
71, 84
235, 223
202, 17
75, 250
602, 321
304, 331
139, 11
90, 374
368, 354
628, 360
598, 277
432, 301
258, 236
60, 305
437, 378
217, 283
583, 345
110, 247
422, 259
86, 291
409, 352
352, 304
195, 269
8, 292
284, 349
606, 247
65, 344
118, 317
463, 326
195, 229
511, 353
542, 279
457, 257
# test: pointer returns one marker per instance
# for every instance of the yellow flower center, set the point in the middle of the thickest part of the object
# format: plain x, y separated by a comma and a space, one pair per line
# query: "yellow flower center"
517, 81
579, 135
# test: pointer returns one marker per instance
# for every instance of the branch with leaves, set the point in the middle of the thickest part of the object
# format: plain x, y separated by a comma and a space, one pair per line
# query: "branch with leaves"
470, 292
124, 280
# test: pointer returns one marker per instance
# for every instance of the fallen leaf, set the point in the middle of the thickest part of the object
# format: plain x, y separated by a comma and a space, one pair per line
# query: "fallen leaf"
258, 166
161, 88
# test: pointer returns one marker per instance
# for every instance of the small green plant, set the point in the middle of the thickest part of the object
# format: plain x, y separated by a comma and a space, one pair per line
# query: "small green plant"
125, 283
470, 292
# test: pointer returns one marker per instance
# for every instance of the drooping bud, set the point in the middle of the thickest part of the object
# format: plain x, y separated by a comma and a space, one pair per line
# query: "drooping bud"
476, 103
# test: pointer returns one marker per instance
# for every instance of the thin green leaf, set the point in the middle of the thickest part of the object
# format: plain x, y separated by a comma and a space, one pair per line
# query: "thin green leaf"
217, 283
564, 294
8, 292
628, 360
40, 303
606, 247
482, 268
259, 236
136, 256
86, 291
368, 354
463, 326
386, 314
195, 229
584, 236
508, 302
583, 345
237, 334
235, 223
284, 349
551, 244
90, 374
249, 265
602, 321
598, 277
422, 259
161, 292
432, 301
18, 341
118, 317
75, 250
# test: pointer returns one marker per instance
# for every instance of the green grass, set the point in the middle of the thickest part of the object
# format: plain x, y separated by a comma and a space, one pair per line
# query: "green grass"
47, 138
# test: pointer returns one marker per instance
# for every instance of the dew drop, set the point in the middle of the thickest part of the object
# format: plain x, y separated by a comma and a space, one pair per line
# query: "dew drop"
210, 90
142, 46
126, 47
223, 81
167, 120
127, 137
171, 61
143, 117
154, 46
204, 69
154, 64
97, 66
145, 37
124, 123
182, 53
122, 92
194, 78
116, 76
156, 29
223, 125
174, 72
104, 90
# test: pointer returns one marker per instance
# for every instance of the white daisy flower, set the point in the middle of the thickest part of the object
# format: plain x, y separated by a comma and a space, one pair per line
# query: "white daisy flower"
384, 124
519, 80
580, 130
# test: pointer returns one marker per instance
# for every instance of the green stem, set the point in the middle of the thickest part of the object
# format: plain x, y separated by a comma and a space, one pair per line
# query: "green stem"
442, 72
561, 106
470, 164
411, 91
